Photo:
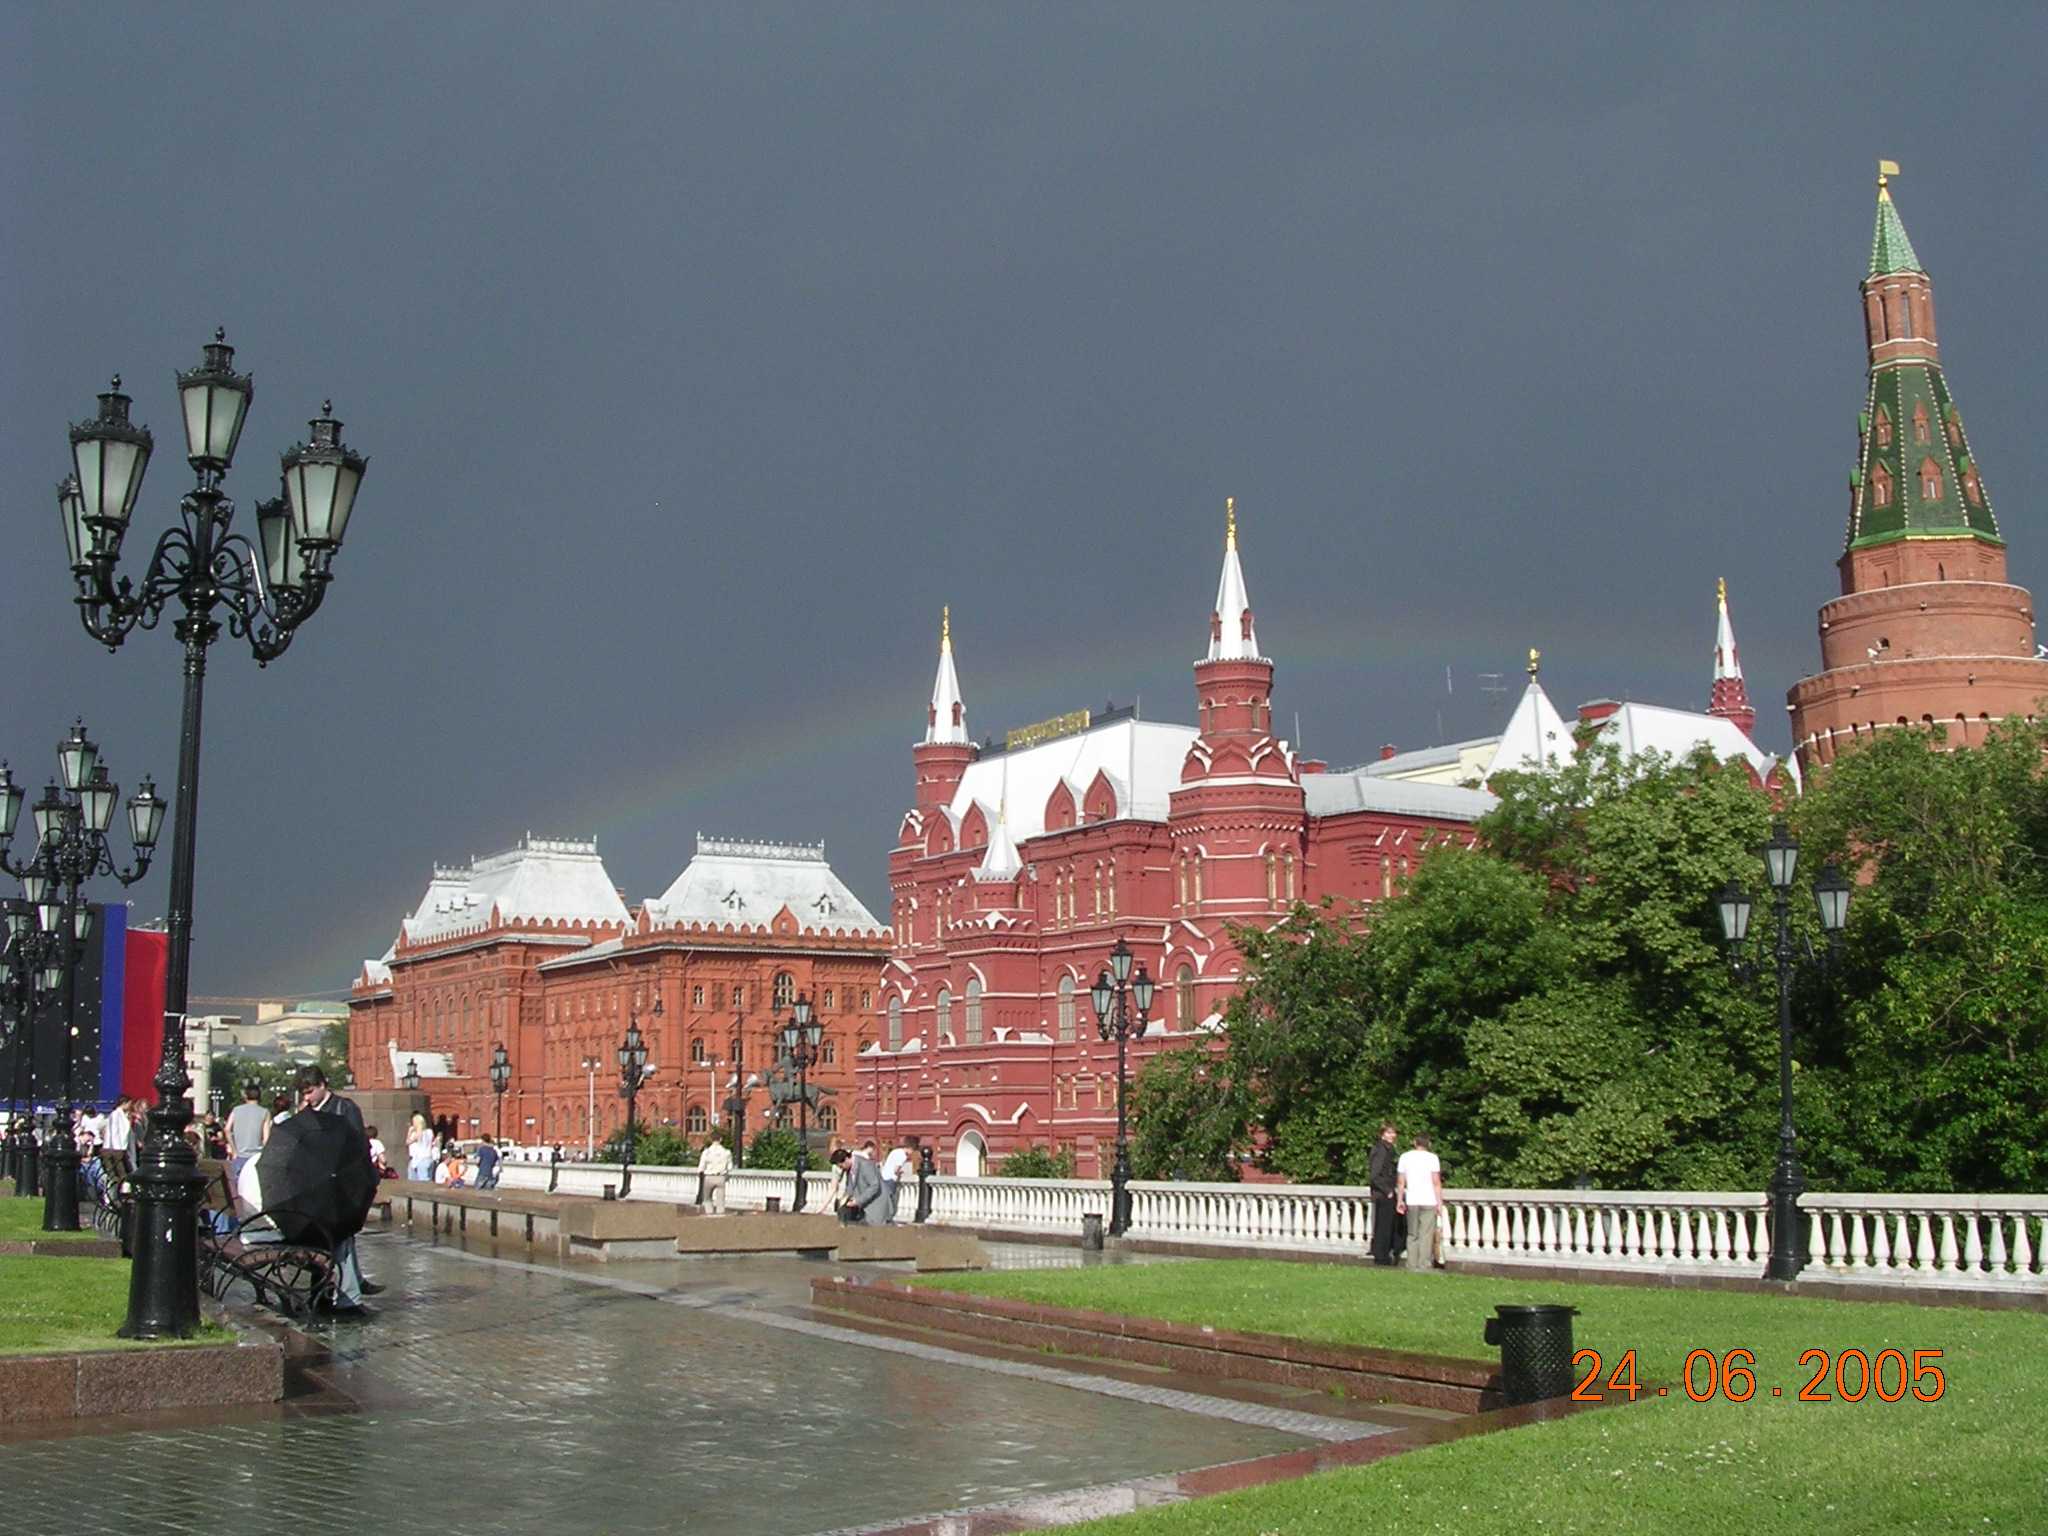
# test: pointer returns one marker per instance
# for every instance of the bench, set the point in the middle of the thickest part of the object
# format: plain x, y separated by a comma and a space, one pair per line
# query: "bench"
289, 1278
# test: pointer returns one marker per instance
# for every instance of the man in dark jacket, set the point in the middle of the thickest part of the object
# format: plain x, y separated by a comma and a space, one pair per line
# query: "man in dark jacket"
1381, 1172
315, 1097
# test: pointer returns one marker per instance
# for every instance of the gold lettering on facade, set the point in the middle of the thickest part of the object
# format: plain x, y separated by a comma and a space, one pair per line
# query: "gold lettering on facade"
1072, 723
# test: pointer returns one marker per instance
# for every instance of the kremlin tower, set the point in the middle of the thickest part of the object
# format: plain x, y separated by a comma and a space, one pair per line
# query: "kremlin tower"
1927, 630
1729, 698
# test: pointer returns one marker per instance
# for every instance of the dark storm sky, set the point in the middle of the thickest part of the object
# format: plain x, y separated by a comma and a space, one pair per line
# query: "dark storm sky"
702, 352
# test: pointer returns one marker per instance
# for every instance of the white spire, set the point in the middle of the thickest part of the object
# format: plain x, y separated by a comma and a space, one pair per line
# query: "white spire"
1536, 737
1230, 626
949, 713
999, 860
1727, 660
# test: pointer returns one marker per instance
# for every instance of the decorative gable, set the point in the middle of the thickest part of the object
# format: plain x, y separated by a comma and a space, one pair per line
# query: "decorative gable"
1059, 808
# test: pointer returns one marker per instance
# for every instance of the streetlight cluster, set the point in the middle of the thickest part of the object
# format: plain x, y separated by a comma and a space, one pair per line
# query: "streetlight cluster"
1123, 1003
261, 592
49, 928
633, 1074
802, 1040
1790, 1246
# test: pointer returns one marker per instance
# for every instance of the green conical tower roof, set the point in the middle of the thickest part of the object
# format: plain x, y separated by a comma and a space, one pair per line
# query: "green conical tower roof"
1890, 250
1916, 476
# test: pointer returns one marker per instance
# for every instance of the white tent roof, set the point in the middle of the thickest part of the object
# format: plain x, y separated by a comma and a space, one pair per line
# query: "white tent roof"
1335, 794
536, 880
1234, 638
1676, 732
1142, 757
1536, 737
946, 700
742, 882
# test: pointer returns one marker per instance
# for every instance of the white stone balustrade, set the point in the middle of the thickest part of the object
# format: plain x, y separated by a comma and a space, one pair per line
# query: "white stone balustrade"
1967, 1242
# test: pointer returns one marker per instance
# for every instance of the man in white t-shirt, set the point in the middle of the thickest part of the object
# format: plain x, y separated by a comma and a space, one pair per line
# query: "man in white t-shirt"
120, 1140
895, 1169
714, 1162
1419, 1195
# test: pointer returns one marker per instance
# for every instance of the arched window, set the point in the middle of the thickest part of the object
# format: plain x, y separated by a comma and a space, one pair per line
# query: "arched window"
697, 1052
1930, 480
1973, 488
1110, 871
974, 1010
1180, 879
1880, 485
1184, 997
1288, 860
785, 990
1919, 421
696, 1122
895, 1023
1272, 880
1066, 1008
1884, 427
944, 1027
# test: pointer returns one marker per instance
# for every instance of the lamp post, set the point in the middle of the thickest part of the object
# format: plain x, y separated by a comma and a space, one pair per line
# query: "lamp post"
71, 848
1122, 1001
21, 977
501, 1079
411, 1080
268, 590
1790, 1249
802, 1038
590, 1064
736, 1101
633, 1073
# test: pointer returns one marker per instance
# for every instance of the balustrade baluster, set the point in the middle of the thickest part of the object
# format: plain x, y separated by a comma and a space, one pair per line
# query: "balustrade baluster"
1973, 1249
1947, 1258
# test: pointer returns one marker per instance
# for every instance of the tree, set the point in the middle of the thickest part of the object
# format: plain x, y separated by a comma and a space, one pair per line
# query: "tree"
333, 1056
1036, 1162
657, 1146
231, 1070
773, 1148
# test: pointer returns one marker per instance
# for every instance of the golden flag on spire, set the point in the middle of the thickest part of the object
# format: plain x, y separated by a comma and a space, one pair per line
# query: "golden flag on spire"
1230, 522
946, 626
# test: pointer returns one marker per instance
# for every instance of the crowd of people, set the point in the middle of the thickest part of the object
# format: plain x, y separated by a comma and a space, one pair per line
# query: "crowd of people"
863, 1189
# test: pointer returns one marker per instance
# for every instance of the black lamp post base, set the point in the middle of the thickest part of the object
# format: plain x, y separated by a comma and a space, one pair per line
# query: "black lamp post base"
60, 1189
163, 1280
28, 1183
1790, 1251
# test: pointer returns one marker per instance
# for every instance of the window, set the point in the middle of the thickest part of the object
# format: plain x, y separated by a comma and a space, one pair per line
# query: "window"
1955, 427
1884, 427
1880, 485
1112, 889
1272, 880
1184, 997
945, 1013
1180, 879
697, 995
1098, 890
974, 1010
826, 1000
828, 1117
1972, 487
1288, 860
1066, 1008
895, 1023
867, 999
739, 997
785, 991
829, 1051
1919, 421
696, 1122
697, 1052
1930, 480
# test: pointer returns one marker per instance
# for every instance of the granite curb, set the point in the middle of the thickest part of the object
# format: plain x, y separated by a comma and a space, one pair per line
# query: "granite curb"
96, 1383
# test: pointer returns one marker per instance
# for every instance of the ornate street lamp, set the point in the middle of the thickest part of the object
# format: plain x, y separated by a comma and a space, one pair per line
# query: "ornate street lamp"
411, 1080
501, 1079
1790, 1245
71, 848
24, 948
267, 593
803, 1042
633, 1074
1122, 1001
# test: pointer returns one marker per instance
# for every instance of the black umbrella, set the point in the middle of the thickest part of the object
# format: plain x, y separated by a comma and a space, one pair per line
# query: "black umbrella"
317, 1178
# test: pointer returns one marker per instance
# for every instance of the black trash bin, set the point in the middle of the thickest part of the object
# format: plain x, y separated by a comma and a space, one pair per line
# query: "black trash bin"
1091, 1233
1535, 1351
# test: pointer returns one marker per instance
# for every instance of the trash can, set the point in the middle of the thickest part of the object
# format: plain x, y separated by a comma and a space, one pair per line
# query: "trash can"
774, 1203
1091, 1233
611, 1191
1535, 1351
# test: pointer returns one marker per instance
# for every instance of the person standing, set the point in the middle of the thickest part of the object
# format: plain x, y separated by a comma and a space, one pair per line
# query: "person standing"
248, 1125
419, 1151
351, 1285
1385, 1185
714, 1162
119, 1139
896, 1172
1419, 1195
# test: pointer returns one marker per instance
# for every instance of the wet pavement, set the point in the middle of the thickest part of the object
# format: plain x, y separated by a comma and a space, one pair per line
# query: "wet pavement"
492, 1393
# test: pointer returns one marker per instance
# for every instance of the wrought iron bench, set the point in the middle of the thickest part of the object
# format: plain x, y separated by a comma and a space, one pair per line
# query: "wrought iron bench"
293, 1279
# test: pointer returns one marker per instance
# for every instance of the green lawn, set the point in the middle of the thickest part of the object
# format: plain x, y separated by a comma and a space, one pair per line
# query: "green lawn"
1976, 1459
22, 1221
50, 1305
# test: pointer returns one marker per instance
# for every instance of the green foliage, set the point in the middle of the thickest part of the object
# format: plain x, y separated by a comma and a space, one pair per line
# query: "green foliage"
773, 1148
333, 1057
231, 1071
1036, 1162
1556, 1003
654, 1146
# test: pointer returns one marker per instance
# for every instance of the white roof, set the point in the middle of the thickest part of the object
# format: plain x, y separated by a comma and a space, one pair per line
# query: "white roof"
1231, 635
1676, 732
536, 880
748, 883
1335, 794
1000, 862
426, 1063
949, 711
1536, 737
377, 973
1142, 757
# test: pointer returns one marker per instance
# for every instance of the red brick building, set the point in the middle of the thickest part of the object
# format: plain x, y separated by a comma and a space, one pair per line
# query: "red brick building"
1020, 865
534, 948
1927, 630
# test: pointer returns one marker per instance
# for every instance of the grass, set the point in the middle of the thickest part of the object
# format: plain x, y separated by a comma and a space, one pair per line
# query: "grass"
1976, 1459
22, 1221
50, 1306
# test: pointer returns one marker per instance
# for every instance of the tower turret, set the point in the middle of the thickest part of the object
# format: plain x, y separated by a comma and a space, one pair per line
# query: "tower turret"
1233, 682
942, 757
1927, 630
1729, 697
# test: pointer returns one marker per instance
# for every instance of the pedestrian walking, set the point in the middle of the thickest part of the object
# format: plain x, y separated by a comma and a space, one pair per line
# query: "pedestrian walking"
1384, 1182
248, 1126
1419, 1195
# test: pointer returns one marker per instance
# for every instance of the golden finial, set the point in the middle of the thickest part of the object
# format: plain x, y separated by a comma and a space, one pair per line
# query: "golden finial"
1721, 590
946, 627
1886, 170
1230, 522
1535, 662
